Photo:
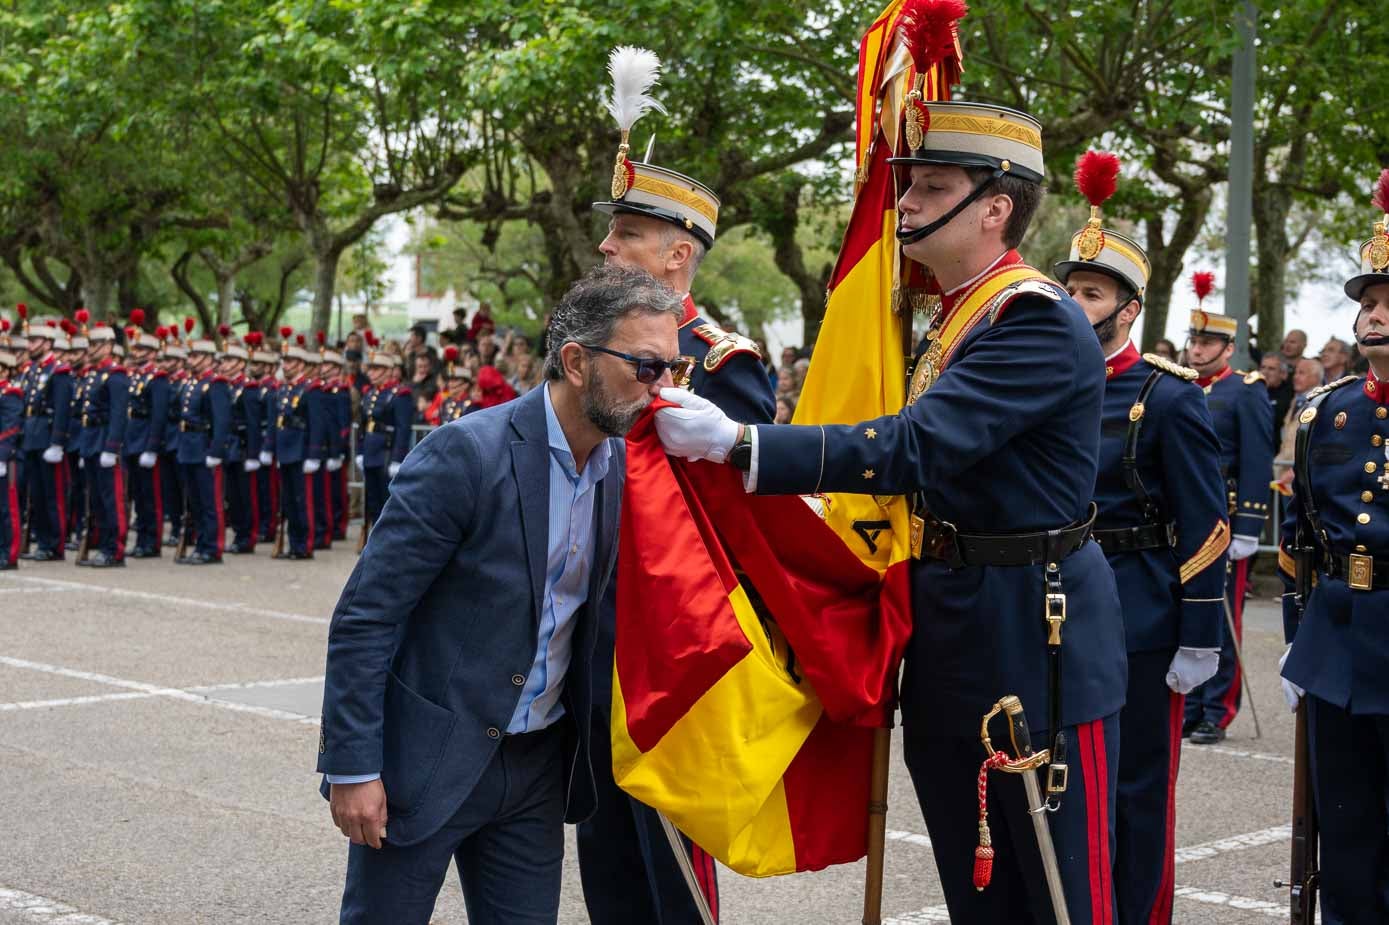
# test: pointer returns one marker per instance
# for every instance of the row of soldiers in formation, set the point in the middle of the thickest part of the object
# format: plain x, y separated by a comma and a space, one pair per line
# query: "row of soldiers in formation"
198, 433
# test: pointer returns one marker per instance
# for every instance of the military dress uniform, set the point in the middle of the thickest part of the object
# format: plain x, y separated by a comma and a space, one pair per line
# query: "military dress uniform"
1162, 523
148, 409
454, 408
341, 398
326, 482
205, 435
11, 428
48, 388
1339, 655
268, 475
387, 414
243, 460
1243, 418
999, 446
298, 439
173, 475
84, 380
105, 419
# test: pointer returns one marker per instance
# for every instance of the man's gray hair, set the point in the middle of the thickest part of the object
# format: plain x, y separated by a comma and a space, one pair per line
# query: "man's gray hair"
590, 310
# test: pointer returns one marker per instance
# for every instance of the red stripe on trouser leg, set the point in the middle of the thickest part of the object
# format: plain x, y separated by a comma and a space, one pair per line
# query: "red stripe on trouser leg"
1229, 704
122, 521
253, 492
12, 500
1162, 903
1095, 771
307, 487
219, 505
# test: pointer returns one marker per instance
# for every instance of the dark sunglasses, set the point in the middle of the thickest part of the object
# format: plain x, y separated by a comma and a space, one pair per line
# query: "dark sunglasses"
650, 369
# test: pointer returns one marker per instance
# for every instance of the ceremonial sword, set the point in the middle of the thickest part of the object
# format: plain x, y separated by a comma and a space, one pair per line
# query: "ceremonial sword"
682, 858
1239, 660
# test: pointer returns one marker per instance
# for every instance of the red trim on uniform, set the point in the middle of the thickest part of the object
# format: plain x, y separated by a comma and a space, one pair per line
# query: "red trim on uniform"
122, 521
1225, 373
1161, 912
1094, 769
12, 499
329, 521
308, 507
158, 489
1375, 388
1229, 704
1121, 363
690, 311
219, 505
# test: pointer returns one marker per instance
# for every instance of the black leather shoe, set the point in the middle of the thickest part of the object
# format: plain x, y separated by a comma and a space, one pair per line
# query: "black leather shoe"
101, 560
140, 552
1207, 734
7, 566
86, 561
198, 559
171, 543
72, 545
43, 555
294, 555
244, 549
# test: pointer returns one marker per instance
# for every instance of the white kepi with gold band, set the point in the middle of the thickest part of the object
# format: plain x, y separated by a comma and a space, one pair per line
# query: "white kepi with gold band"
1374, 253
1096, 248
641, 187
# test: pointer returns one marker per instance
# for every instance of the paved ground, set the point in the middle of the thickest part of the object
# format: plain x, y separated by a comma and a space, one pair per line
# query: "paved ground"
158, 736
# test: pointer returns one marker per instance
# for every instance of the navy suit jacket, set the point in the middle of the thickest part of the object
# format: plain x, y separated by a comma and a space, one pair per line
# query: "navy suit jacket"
442, 613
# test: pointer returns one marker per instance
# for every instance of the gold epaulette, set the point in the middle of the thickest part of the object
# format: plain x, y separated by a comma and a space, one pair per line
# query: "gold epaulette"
1332, 386
1022, 287
722, 345
1172, 369
1251, 378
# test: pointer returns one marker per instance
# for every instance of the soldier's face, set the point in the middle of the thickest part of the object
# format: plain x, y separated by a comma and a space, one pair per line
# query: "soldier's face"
376, 374
636, 241
38, 346
935, 190
293, 368
1372, 324
1207, 354
1096, 293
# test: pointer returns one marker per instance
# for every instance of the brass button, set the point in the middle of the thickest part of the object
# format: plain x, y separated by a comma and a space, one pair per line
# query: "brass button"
1363, 518
1376, 440
1370, 466
519, 679
1382, 412
493, 732
1367, 496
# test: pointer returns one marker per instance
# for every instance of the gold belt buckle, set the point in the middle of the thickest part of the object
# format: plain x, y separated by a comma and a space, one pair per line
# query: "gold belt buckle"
918, 533
1362, 572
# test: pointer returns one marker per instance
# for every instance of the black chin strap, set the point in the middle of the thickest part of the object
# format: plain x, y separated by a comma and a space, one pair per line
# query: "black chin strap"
911, 237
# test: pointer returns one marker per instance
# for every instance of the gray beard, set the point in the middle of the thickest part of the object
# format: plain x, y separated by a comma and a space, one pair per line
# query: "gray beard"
610, 416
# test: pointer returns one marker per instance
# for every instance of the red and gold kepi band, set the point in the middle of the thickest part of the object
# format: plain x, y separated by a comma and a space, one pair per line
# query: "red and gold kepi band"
1095, 248
1374, 253
1207, 323
979, 135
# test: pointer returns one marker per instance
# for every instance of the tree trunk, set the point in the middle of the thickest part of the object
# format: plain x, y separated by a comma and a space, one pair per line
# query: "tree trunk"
98, 291
781, 224
1166, 258
225, 297
325, 279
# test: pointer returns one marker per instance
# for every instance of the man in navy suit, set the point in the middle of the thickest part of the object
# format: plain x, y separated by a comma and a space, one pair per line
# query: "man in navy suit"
459, 678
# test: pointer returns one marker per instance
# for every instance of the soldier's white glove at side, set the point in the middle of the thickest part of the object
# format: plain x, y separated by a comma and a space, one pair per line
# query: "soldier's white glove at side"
335, 464
53, 455
108, 460
147, 460
4, 469
311, 466
392, 469
265, 458
252, 465
361, 462
1242, 547
1291, 692
697, 429
212, 462
1191, 668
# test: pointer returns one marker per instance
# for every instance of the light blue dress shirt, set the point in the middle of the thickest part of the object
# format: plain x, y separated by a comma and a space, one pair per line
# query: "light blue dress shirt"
568, 562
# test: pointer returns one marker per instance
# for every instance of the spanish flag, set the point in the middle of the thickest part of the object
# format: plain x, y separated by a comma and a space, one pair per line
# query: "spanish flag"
751, 727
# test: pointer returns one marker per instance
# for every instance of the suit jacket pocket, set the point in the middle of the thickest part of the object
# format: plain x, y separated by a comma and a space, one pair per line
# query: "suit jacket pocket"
416, 734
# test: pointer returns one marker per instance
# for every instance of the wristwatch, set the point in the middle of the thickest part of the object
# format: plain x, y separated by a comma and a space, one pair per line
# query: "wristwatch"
740, 457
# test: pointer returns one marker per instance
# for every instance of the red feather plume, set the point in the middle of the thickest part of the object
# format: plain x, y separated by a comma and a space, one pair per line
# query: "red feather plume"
451, 354
321, 338
286, 331
137, 317
224, 329
299, 339
22, 310
1097, 175
371, 339
4, 325
82, 316
1381, 198
131, 331
254, 338
188, 325
101, 324
68, 327
928, 30
161, 332
1202, 282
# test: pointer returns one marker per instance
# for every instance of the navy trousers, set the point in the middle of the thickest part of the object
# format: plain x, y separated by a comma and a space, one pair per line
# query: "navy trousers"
945, 773
1217, 701
377, 483
11, 536
1150, 726
629, 872
244, 504
267, 480
48, 502
297, 502
325, 518
206, 491
147, 497
77, 497
507, 839
174, 491
1350, 778
107, 524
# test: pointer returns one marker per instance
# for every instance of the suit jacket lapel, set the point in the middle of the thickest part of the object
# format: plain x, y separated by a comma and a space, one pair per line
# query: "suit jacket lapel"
530, 463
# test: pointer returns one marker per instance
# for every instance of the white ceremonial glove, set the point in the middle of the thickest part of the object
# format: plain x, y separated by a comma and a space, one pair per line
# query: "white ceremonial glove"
53, 455
1242, 547
107, 460
147, 460
1291, 692
335, 464
252, 465
695, 430
1191, 668
81, 463
392, 469
311, 466
361, 462
4, 469
265, 458
212, 462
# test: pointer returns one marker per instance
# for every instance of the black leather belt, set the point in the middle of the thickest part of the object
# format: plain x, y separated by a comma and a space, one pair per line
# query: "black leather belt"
940, 540
187, 428
1133, 539
1362, 572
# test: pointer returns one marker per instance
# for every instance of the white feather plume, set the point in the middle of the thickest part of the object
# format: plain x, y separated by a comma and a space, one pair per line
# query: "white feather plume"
634, 72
